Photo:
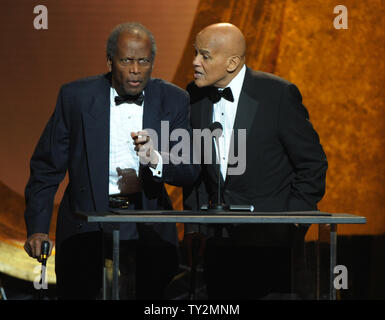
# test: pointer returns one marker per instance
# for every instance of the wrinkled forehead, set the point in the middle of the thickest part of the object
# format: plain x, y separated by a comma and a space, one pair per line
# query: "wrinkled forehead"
209, 41
136, 42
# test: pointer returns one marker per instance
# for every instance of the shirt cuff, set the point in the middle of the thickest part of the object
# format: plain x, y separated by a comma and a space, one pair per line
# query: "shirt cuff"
157, 172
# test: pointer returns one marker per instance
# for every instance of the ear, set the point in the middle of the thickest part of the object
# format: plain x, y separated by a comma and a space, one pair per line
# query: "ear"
109, 64
233, 63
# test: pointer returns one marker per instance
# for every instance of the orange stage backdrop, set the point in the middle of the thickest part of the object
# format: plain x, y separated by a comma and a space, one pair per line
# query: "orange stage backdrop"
341, 75
339, 72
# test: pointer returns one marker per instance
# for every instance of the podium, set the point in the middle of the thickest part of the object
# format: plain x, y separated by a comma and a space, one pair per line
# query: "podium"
327, 232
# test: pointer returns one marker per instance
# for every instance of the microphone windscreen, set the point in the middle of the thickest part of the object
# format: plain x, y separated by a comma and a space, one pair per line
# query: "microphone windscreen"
214, 126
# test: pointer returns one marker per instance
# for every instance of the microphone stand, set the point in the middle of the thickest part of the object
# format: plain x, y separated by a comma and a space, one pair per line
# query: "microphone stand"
219, 206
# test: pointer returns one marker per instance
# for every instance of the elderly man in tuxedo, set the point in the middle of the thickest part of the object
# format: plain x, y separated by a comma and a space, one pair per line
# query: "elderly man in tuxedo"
285, 165
97, 134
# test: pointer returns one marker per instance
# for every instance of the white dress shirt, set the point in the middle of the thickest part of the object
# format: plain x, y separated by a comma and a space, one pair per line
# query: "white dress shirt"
124, 119
224, 112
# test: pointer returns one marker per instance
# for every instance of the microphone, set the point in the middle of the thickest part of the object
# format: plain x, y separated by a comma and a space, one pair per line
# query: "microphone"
214, 126
217, 129
44, 252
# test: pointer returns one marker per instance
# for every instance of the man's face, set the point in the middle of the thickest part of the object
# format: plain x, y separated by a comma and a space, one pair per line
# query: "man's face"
210, 62
131, 65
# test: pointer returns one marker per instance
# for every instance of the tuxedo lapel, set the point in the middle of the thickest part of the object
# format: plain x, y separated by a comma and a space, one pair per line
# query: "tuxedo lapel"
96, 123
206, 113
153, 111
246, 111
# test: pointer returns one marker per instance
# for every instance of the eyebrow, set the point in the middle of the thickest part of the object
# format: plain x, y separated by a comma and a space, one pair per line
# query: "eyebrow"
204, 51
130, 57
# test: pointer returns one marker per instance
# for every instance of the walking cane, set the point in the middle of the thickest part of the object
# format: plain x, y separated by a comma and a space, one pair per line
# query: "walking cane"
43, 257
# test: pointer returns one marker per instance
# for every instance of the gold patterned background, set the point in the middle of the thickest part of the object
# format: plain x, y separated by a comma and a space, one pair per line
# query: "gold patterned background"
341, 75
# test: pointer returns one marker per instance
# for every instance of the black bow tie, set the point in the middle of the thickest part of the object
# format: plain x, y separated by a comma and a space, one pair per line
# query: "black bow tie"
215, 94
138, 99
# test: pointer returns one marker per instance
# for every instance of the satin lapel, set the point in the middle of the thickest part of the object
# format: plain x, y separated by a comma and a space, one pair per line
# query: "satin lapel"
206, 113
246, 112
153, 112
96, 123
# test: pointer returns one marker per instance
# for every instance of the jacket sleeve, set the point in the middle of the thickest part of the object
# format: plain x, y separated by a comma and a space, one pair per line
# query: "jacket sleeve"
48, 167
303, 147
178, 164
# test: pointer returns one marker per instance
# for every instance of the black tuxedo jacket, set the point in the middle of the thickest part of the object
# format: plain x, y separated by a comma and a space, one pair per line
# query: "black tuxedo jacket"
76, 139
285, 163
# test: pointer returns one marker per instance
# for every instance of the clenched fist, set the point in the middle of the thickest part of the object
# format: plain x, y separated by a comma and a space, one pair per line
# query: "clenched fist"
33, 245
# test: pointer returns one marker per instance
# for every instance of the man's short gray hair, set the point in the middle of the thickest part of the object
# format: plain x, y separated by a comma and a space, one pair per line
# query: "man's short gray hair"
130, 27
